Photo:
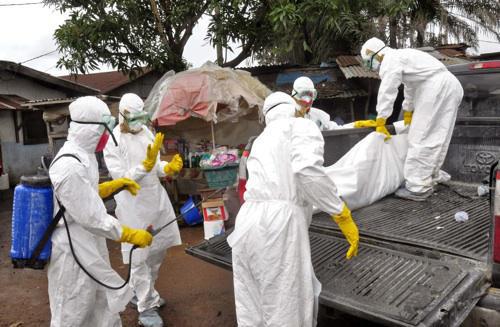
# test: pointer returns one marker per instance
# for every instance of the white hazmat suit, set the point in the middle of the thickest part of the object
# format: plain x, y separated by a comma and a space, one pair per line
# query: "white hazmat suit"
75, 299
151, 206
274, 280
433, 94
305, 93
321, 119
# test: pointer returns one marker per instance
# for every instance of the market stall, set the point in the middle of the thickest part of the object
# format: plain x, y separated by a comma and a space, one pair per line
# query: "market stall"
207, 115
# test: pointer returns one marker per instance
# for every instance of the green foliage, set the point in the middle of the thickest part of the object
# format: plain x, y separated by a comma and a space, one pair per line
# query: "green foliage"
124, 33
128, 34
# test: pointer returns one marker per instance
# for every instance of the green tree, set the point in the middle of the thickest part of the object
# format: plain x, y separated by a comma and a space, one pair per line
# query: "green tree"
311, 31
129, 34
243, 22
423, 22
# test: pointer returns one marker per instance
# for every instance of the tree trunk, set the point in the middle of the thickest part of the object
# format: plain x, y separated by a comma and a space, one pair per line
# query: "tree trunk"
393, 31
218, 46
420, 37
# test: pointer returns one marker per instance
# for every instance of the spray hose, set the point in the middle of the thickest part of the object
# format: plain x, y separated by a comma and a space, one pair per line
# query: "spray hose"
151, 230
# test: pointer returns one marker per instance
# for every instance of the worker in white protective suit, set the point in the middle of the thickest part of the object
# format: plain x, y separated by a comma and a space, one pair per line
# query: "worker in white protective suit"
274, 280
150, 207
431, 99
76, 299
304, 94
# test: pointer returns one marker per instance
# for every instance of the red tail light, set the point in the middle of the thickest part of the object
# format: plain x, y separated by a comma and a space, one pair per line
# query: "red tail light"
496, 226
485, 65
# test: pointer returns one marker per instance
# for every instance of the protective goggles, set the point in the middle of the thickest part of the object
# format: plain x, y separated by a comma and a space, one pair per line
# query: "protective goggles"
108, 122
308, 95
368, 63
136, 118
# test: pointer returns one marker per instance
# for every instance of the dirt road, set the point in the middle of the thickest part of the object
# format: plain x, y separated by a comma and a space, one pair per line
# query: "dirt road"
197, 293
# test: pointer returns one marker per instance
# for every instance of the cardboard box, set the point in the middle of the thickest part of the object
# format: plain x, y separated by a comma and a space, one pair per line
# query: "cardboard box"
214, 215
214, 210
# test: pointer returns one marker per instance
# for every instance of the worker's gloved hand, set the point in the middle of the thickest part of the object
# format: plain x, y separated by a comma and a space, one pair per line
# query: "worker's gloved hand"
174, 166
407, 116
349, 229
139, 237
108, 188
365, 123
382, 129
152, 152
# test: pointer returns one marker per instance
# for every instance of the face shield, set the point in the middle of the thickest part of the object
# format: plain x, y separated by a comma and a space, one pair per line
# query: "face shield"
107, 124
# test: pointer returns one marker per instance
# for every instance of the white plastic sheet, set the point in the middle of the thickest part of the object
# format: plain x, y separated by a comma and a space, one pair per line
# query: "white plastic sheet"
372, 169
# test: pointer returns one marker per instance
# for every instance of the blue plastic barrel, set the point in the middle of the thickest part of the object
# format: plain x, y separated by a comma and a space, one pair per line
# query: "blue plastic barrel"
32, 212
190, 213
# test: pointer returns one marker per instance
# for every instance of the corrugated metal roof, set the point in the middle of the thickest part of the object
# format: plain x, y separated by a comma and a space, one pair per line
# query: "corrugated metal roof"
451, 53
11, 102
346, 61
52, 101
351, 67
358, 72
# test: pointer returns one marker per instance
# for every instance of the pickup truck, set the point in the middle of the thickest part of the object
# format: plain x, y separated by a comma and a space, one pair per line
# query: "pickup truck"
418, 266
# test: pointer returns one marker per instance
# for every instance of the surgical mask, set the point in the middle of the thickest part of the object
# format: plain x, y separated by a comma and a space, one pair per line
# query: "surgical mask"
373, 63
108, 123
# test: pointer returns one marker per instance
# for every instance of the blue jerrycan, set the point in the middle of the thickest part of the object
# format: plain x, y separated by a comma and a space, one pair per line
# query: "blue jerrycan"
32, 213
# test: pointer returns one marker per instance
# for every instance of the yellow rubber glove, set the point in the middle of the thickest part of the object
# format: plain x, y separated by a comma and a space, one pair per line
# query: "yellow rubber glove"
349, 229
174, 166
152, 152
108, 188
365, 123
407, 116
382, 129
139, 237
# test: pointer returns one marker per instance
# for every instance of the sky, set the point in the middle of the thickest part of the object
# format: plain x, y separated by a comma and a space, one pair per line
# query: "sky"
27, 32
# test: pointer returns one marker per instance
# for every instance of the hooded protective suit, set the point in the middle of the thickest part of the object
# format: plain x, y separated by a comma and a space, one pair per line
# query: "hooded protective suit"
433, 94
274, 281
304, 86
75, 299
150, 207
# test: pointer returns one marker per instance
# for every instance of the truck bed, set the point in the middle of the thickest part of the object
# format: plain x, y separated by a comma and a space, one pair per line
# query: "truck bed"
428, 224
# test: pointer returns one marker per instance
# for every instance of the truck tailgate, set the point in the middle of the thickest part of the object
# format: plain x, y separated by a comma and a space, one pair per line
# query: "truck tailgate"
388, 286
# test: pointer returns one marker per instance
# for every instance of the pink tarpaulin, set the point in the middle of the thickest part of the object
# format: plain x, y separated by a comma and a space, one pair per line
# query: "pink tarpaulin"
210, 92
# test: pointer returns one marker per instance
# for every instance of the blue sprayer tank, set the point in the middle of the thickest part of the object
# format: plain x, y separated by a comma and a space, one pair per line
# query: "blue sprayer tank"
31, 214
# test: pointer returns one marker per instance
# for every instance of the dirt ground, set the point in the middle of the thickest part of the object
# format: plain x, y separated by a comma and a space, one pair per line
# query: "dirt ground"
197, 293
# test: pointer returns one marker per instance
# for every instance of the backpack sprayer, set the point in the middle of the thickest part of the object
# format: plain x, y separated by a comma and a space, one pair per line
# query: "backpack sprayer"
33, 223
